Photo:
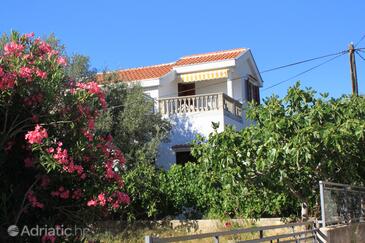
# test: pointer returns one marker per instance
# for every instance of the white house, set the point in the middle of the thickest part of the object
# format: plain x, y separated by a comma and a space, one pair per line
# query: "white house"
195, 91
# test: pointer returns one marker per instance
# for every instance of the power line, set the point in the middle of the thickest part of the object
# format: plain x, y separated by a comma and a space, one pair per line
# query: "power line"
300, 62
338, 54
363, 37
358, 53
268, 70
306, 71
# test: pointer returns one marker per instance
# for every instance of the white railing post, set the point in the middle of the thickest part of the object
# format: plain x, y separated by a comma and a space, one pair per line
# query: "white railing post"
216, 239
148, 239
321, 193
220, 101
199, 103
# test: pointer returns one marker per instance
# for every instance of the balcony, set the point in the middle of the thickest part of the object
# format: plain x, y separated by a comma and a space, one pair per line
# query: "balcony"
201, 103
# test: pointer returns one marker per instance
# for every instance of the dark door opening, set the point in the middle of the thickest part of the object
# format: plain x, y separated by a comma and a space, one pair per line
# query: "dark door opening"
186, 89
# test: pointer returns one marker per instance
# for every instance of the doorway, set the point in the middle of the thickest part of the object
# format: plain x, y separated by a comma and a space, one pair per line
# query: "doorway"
186, 89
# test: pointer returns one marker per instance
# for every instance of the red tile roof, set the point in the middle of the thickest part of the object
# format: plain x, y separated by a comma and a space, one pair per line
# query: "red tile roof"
157, 71
149, 72
209, 57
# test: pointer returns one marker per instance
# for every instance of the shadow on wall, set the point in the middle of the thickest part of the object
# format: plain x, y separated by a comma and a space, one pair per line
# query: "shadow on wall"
182, 132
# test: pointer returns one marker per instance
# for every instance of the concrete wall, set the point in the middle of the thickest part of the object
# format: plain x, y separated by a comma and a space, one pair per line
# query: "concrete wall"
228, 120
168, 86
192, 226
211, 86
352, 233
185, 128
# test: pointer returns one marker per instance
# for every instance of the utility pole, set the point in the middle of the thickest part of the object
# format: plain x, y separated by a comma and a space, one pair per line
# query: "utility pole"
355, 89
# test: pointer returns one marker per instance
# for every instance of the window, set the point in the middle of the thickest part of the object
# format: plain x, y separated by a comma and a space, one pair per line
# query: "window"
183, 157
183, 154
253, 92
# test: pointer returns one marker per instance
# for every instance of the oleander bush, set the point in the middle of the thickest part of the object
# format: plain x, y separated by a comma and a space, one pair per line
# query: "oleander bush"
55, 168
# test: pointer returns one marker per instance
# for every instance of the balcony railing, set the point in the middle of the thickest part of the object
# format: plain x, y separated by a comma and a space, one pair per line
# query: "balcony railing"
200, 103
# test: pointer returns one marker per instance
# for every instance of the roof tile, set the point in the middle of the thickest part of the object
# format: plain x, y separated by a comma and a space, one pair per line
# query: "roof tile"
157, 71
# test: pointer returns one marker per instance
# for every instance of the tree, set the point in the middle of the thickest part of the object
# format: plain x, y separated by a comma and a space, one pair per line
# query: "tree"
139, 130
295, 142
54, 166
78, 68
133, 122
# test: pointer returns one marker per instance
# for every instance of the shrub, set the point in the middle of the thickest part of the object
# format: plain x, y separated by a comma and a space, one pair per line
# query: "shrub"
55, 167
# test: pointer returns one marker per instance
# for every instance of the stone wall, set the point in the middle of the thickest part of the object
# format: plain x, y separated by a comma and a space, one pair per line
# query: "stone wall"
352, 233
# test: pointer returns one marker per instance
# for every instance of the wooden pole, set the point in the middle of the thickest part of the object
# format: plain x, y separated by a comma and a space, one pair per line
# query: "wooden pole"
355, 90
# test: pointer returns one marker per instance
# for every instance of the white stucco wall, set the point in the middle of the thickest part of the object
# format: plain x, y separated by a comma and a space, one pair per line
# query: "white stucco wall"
238, 125
168, 86
151, 91
211, 86
185, 127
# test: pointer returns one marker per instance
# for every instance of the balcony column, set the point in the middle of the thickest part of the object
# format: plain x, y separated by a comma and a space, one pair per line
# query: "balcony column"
229, 85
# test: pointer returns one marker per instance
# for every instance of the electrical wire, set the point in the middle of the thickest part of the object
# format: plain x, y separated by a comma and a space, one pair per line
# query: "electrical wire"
300, 62
305, 71
358, 53
338, 54
363, 37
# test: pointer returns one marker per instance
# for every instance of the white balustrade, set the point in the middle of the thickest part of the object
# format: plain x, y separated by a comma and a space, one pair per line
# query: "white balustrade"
200, 103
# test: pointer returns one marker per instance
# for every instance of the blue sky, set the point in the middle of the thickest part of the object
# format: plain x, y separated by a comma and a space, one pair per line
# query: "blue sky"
121, 34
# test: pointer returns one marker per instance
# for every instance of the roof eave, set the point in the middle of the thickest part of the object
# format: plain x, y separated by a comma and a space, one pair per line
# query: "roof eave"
197, 67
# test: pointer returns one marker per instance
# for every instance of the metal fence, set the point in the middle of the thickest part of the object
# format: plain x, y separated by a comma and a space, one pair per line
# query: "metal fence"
307, 232
341, 203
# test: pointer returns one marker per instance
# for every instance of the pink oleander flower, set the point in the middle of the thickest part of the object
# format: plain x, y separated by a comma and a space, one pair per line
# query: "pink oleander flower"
26, 73
88, 135
77, 194
53, 53
93, 88
44, 46
83, 176
33, 100
7, 81
123, 198
34, 201
29, 35
91, 124
61, 156
41, 74
101, 199
65, 194
1, 71
48, 237
62, 61
50, 150
13, 48
227, 224
37, 135
92, 203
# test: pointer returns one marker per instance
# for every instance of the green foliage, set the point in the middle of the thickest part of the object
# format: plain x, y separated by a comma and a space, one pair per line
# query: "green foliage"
273, 166
54, 167
133, 123
137, 129
143, 185
267, 169
78, 68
